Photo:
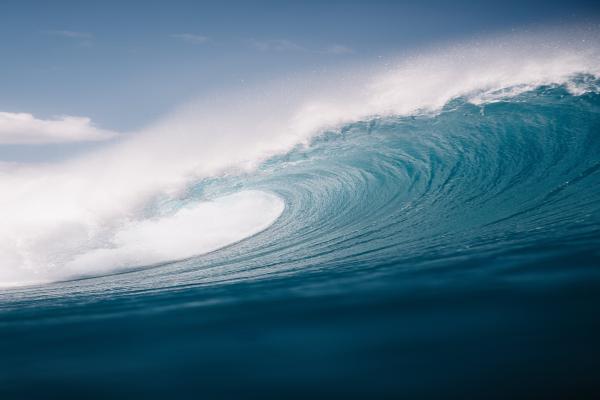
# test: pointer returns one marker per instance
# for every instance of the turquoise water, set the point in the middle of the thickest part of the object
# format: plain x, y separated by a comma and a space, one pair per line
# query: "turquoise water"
449, 255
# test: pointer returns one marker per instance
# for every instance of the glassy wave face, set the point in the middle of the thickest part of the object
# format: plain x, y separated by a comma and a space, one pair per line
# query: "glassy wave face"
451, 252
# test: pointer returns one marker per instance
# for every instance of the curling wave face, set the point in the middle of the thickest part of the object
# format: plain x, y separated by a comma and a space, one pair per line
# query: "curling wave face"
461, 153
516, 180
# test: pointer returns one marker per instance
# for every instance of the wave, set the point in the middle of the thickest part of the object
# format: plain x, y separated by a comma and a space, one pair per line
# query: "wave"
477, 146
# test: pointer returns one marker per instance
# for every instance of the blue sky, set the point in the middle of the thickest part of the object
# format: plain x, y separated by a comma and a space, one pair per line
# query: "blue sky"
123, 64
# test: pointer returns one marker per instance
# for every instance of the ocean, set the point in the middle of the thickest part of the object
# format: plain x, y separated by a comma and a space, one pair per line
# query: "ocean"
438, 238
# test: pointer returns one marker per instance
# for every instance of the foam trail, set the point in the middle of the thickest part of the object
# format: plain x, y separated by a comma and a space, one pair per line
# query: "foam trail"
91, 214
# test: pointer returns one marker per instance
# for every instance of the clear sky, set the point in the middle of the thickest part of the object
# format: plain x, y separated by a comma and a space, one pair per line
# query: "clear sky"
123, 64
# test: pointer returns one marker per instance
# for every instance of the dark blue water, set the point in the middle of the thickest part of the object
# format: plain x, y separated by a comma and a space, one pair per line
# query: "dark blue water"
454, 255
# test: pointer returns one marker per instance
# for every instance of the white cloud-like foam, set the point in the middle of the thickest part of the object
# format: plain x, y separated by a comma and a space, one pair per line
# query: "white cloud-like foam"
24, 128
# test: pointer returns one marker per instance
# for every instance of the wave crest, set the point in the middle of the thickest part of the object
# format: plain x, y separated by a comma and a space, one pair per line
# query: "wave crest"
98, 213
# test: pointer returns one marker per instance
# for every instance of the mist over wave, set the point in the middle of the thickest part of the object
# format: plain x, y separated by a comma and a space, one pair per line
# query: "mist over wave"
210, 174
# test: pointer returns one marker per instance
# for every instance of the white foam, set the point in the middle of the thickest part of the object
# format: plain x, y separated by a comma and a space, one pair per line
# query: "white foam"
88, 215
201, 228
65, 250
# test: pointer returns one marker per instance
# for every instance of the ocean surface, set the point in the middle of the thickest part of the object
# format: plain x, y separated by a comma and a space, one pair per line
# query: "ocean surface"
437, 252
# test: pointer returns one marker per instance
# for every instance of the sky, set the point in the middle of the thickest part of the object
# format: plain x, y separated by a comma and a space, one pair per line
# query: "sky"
75, 73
